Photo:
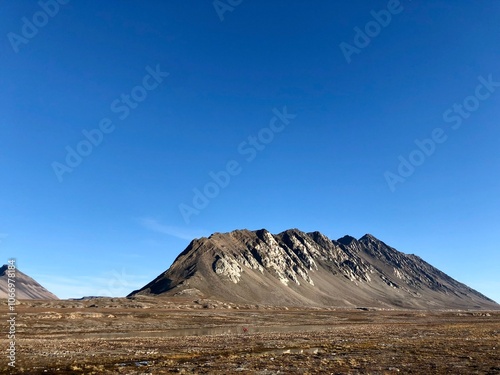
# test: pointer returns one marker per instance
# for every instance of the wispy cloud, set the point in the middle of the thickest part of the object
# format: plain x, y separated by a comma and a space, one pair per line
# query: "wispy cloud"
170, 230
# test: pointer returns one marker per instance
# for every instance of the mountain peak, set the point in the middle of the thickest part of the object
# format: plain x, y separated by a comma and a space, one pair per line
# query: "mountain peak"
346, 240
369, 237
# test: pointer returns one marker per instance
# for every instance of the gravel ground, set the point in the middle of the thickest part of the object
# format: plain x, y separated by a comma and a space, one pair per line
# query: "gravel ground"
121, 336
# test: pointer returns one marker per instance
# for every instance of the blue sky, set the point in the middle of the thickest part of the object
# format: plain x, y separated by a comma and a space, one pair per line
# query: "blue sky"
174, 91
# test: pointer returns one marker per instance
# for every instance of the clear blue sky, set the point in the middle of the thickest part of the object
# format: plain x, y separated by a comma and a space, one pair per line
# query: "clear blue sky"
113, 223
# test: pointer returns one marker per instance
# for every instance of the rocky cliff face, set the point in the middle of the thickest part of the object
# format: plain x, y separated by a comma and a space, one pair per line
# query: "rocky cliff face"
297, 268
26, 287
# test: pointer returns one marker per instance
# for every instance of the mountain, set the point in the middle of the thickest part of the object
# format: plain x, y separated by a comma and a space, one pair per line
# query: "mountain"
294, 268
26, 287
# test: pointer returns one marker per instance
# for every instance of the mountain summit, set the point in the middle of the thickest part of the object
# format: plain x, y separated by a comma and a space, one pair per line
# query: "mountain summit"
294, 268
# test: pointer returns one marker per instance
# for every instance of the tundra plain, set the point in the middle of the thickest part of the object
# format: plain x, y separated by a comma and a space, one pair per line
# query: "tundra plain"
145, 335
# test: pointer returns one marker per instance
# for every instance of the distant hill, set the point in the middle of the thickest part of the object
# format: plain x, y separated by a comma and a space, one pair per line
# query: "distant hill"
309, 269
26, 287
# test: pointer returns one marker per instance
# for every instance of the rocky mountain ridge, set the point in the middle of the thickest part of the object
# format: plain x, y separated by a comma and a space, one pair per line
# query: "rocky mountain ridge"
297, 268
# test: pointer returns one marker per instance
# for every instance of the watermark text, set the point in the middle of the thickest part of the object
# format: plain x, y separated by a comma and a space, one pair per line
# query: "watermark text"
248, 149
455, 115
11, 314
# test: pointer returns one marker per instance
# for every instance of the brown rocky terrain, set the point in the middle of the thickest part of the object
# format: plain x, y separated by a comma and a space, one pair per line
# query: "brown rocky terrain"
294, 268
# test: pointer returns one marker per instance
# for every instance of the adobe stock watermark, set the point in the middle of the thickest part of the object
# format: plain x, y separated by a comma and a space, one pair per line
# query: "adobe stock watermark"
248, 149
11, 302
30, 27
223, 6
455, 115
117, 285
363, 37
122, 107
